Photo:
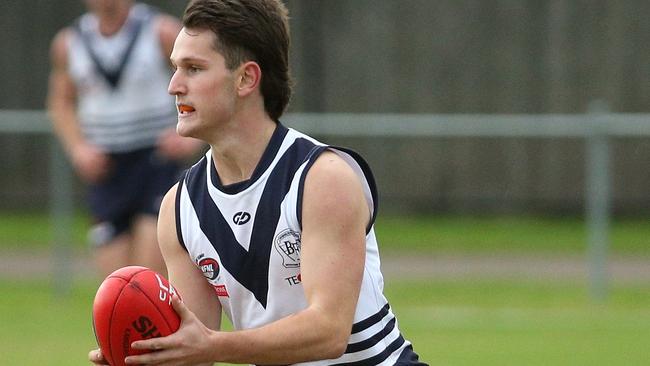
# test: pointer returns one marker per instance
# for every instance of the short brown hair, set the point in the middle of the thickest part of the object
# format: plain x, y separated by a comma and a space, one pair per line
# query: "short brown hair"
250, 30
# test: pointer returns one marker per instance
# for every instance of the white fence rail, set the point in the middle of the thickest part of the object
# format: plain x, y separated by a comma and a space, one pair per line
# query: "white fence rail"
595, 129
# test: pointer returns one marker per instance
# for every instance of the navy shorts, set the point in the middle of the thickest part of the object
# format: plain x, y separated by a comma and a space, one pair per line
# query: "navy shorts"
136, 185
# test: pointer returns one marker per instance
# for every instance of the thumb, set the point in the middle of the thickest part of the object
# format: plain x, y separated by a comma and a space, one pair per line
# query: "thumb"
180, 308
95, 356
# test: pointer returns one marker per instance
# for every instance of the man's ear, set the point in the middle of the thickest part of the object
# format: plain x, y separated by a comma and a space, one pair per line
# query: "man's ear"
249, 78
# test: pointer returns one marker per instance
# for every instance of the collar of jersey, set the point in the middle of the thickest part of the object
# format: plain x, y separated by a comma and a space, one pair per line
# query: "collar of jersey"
267, 158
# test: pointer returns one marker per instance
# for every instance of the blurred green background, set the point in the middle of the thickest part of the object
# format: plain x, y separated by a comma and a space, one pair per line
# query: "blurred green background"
453, 317
483, 239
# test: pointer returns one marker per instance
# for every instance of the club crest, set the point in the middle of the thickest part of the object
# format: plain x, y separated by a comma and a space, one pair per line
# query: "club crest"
287, 243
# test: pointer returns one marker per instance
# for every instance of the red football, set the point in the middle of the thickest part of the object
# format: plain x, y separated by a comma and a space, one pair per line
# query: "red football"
132, 303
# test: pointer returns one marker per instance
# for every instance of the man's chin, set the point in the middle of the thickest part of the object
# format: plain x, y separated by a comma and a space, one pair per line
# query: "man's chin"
185, 131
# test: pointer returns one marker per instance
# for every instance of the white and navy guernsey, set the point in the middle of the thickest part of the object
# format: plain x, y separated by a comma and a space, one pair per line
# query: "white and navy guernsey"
122, 99
246, 239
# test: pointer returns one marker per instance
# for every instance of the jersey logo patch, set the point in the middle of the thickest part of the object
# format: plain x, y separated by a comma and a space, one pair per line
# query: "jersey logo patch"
241, 217
287, 243
209, 267
221, 290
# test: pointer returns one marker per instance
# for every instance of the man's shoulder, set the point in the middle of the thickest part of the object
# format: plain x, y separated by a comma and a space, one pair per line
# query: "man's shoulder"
59, 45
167, 28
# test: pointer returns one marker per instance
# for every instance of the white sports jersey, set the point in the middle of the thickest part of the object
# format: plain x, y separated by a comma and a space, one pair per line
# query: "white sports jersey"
246, 239
122, 80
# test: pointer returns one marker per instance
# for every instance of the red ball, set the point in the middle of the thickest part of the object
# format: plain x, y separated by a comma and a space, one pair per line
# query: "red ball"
132, 303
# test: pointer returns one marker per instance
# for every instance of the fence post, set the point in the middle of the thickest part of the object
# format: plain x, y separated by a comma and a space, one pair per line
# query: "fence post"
597, 190
61, 219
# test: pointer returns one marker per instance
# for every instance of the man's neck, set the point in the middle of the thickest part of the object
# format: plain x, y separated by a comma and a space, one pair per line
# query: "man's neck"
238, 151
111, 21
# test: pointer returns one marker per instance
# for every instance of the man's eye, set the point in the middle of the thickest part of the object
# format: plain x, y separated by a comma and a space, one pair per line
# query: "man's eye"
193, 69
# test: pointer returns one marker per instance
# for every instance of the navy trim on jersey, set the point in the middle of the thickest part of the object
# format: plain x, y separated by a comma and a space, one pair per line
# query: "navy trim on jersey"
242, 264
134, 25
378, 358
371, 182
179, 231
409, 358
369, 321
365, 168
313, 156
267, 158
376, 338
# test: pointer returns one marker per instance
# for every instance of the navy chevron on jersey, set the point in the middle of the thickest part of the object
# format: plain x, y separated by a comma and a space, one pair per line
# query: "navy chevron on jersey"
246, 238
122, 81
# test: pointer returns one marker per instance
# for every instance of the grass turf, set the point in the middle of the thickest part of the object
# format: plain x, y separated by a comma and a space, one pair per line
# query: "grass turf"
517, 323
459, 234
506, 234
449, 322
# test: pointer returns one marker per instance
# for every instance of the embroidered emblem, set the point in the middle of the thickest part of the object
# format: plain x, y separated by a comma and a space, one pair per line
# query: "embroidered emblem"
287, 243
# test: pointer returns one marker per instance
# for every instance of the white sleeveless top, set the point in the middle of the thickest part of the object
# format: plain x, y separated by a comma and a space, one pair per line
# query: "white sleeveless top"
123, 104
246, 239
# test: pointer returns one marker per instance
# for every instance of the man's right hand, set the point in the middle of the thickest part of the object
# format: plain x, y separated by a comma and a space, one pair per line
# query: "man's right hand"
91, 163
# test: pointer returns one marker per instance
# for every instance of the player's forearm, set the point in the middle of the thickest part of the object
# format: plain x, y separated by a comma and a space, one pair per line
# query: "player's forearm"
65, 126
306, 336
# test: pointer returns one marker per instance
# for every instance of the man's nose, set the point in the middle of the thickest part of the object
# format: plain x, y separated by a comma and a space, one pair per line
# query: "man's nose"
176, 85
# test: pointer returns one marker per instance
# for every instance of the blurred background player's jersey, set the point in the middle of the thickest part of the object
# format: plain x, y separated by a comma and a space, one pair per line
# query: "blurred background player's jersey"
123, 104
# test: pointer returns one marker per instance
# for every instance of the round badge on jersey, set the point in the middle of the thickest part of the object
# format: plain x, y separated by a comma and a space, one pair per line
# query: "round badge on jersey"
209, 267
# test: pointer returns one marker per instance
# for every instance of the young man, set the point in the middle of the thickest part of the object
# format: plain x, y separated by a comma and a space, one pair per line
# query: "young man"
271, 226
109, 108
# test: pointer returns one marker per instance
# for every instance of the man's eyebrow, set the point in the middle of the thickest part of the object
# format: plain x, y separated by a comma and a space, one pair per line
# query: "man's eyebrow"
189, 60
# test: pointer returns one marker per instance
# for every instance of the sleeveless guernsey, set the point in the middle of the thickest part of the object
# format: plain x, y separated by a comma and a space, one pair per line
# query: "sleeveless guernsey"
246, 239
122, 80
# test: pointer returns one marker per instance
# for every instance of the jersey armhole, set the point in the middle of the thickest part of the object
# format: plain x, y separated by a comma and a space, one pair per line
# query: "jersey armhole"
362, 164
311, 158
177, 213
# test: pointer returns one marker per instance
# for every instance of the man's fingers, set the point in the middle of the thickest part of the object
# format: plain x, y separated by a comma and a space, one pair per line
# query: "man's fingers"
149, 344
95, 356
157, 344
150, 358
180, 307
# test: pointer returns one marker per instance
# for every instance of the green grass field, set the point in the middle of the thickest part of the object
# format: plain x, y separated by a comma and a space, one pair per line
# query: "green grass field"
507, 234
449, 322
511, 234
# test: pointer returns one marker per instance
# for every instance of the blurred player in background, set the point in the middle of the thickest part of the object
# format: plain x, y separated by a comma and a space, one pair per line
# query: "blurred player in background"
271, 226
110, 109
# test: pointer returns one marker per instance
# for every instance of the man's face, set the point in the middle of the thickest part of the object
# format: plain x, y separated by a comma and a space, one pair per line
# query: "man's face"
105, 6
204, 88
